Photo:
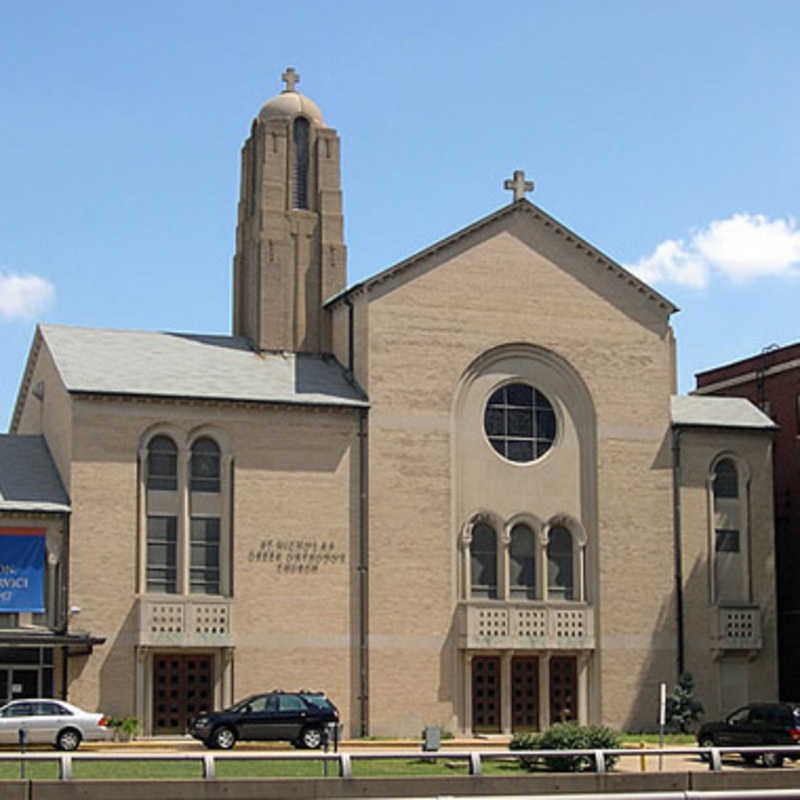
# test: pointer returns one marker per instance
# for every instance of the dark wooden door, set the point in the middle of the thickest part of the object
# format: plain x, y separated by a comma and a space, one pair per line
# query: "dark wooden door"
563, 689
182, 688
524, 693
486, 694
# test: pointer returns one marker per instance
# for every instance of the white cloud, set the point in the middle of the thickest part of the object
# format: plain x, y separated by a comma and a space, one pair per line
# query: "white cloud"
24, 296
742, 248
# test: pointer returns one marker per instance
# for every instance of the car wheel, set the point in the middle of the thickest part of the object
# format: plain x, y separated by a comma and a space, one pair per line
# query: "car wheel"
706, 741
772, 759
311, 738
223, 738
68, 739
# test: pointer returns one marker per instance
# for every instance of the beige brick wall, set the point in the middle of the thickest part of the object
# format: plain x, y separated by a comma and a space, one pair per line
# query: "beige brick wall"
424, 330
294, 474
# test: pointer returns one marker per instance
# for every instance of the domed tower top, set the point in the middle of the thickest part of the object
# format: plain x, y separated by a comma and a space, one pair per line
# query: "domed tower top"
290, 103
290, 252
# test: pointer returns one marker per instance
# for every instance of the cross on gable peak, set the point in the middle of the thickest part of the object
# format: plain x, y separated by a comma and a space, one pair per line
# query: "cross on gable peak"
518, 184
290, 78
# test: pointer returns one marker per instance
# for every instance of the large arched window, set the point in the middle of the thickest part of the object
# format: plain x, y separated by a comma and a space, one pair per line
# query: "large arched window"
186, 512
560, 566
483, 561
522, 563
301, 159
162, 464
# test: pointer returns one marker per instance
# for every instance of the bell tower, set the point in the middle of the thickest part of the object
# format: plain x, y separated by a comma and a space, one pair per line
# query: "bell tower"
290, 254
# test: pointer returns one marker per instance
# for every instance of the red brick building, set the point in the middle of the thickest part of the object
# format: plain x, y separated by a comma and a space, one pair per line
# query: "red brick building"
771, 380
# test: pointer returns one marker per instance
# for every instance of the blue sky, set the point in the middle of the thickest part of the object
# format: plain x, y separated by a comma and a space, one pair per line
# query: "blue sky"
668, 135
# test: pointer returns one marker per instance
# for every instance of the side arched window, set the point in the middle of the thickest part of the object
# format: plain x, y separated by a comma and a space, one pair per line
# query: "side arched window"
560, 567
483, 561
301, 153
522, 563
205, 466
729, 563
162, 464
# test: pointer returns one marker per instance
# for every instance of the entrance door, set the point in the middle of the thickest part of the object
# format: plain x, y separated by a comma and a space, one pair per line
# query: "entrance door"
524, 693
486, 694
18, 682
182, 688
563, 689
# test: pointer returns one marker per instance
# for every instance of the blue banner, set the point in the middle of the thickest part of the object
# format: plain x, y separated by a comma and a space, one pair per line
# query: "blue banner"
21, 570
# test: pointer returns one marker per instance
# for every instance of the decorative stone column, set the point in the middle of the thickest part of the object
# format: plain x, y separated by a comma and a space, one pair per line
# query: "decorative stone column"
505, 691
468, 693
583, 688
544, 691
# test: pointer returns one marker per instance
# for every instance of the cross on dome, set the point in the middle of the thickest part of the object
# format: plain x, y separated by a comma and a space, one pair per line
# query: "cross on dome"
518, 184
290, 78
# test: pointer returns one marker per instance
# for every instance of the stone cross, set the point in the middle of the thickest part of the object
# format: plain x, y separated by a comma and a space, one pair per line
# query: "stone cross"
290, 78
518, 184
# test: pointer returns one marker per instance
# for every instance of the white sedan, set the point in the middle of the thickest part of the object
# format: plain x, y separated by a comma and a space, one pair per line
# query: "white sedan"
53, 722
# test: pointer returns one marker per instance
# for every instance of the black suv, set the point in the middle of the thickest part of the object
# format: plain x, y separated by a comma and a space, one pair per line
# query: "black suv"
298, 717
755, 724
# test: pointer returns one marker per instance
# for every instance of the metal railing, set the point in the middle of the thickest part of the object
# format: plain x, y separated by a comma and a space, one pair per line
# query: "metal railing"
344, 761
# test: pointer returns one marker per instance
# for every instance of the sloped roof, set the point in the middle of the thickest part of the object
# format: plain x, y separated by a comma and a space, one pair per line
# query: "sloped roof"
96, 360
535, 214
723, 412
29, 480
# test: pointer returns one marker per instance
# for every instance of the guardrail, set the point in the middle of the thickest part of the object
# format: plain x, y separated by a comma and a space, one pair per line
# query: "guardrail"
344, 761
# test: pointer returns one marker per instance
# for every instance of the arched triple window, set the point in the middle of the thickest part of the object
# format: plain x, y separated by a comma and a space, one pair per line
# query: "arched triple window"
535, 562
185, 553
729, 572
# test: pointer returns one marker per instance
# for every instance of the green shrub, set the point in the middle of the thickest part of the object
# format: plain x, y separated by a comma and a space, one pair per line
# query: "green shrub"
525, 741
683, 710
568, 736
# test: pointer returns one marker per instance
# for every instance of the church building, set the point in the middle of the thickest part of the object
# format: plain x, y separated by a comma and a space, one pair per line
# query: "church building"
462, 492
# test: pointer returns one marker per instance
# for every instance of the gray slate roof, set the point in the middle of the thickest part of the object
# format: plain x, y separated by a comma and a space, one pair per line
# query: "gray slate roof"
725, 412
28, 477
193, 365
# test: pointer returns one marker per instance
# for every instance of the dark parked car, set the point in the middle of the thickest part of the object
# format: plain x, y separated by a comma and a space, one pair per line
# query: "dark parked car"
298, 717
755, 724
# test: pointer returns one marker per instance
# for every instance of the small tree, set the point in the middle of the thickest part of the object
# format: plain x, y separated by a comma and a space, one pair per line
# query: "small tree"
682, 707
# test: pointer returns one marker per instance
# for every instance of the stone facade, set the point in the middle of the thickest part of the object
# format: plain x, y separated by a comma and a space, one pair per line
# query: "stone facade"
415, 562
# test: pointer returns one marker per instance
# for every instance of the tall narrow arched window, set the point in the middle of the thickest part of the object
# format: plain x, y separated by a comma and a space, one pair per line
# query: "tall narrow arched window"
728, 562
162, 464
301, 159
483, 561
522, 564
560, 566
205, 466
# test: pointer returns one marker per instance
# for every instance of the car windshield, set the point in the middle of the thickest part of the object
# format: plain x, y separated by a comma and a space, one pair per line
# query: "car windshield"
241, 705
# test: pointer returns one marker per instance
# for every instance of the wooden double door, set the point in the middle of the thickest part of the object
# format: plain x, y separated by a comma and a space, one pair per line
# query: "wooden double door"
523, 693
183, 687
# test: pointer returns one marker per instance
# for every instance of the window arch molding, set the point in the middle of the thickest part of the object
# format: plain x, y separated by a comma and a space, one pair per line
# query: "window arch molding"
729, 553
184, 534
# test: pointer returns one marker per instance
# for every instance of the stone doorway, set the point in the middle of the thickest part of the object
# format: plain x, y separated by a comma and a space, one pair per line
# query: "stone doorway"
183, 687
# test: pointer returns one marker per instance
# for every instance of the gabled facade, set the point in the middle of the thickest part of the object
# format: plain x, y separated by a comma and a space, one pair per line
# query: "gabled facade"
447, 495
